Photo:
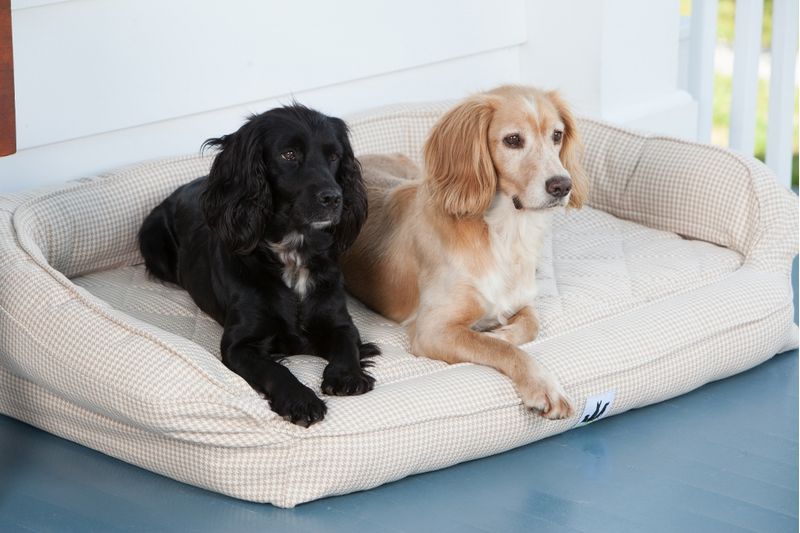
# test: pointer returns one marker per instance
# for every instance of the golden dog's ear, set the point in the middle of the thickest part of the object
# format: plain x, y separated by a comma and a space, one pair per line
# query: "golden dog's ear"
459, 168
571, 152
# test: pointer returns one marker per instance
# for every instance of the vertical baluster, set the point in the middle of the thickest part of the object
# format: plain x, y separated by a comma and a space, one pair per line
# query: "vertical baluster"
703, 39
782, 89
746, 49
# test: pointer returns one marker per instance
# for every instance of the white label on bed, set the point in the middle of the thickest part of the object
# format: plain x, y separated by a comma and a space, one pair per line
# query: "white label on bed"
597, 407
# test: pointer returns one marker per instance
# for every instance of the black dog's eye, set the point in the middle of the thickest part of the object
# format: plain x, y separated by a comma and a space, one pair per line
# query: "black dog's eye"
513, 140
557, 136
289, 155
333, 157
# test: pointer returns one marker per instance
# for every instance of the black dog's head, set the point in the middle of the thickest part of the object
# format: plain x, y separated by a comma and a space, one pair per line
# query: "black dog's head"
292, 168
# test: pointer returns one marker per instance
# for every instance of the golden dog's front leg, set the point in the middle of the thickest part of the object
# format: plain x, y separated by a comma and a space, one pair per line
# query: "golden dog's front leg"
457, 343
521, 328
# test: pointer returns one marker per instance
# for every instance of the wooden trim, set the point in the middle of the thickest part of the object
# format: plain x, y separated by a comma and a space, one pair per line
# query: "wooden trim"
8, 133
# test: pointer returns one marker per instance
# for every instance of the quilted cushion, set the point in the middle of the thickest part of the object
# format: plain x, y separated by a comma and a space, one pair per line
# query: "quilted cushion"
595, 266
676, 275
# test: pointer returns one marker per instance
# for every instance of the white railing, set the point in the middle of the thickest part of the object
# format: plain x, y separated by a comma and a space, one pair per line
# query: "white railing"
702, 41
782, 88
747, 48
746, 51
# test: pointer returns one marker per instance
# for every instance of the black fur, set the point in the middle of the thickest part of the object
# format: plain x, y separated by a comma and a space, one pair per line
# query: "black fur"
216, 237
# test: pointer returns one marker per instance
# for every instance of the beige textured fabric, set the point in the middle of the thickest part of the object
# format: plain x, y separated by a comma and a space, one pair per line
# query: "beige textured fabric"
677, 275
594, 266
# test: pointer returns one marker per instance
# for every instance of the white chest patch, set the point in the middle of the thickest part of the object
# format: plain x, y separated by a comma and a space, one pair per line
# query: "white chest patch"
516, 239
295, 274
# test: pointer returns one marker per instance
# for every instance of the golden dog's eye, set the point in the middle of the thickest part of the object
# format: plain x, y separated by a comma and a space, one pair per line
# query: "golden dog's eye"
557, 136
289, 155
334, 157
513, 140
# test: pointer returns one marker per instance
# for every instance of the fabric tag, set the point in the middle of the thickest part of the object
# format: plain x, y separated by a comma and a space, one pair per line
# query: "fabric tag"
597, 407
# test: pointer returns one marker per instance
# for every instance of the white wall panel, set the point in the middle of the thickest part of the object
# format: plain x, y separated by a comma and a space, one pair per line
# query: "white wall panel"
612, 59
639, 51
54, 163
106, 83
92, 66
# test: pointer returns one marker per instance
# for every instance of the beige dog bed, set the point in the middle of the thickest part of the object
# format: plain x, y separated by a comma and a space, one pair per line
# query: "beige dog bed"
677, 275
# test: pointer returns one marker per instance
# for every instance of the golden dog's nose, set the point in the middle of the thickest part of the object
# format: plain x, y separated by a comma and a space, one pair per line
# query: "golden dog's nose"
558, 186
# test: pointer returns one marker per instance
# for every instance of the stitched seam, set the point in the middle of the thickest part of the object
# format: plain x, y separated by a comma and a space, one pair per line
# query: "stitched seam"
495, 408
517, 403
400, 113
102, 384
146, 430
671, 353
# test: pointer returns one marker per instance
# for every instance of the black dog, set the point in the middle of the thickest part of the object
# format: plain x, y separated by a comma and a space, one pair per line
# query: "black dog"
256, 243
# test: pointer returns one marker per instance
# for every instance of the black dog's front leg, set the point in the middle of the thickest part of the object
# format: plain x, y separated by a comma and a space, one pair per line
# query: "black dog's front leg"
248, 354
341, 346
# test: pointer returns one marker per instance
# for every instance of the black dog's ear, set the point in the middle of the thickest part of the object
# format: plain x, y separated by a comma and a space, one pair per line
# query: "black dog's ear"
237, 201
354, 194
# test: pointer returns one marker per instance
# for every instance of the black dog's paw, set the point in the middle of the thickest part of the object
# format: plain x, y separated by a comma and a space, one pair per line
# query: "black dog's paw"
346, 382
299, 406
367, 350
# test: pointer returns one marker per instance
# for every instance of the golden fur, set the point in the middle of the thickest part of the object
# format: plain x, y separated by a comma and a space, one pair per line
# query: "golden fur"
452, 252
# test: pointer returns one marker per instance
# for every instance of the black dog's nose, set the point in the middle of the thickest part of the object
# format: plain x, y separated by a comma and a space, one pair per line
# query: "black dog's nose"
330, 197
558, 186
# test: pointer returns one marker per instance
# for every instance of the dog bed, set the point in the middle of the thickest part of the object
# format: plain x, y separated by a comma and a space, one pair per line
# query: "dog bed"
676, 274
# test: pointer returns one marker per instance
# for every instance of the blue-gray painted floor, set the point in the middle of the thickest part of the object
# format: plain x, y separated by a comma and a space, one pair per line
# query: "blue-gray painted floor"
721, 458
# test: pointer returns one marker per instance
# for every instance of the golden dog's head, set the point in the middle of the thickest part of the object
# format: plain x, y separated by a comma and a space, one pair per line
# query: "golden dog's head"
519, 141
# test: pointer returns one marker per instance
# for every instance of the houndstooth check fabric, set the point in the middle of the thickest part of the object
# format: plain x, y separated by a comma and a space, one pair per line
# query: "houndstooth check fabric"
676, 275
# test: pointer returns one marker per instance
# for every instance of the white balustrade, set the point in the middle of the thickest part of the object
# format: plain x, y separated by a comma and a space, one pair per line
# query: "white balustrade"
702, 41
746, 51
782, 88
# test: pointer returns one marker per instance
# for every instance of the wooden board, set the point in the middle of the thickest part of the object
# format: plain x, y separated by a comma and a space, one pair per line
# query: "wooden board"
8, 134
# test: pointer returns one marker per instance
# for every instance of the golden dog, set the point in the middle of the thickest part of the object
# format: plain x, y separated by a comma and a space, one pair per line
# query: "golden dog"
453, 253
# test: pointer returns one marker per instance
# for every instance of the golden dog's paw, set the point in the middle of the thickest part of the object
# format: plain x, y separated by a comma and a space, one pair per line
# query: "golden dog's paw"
545, 395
